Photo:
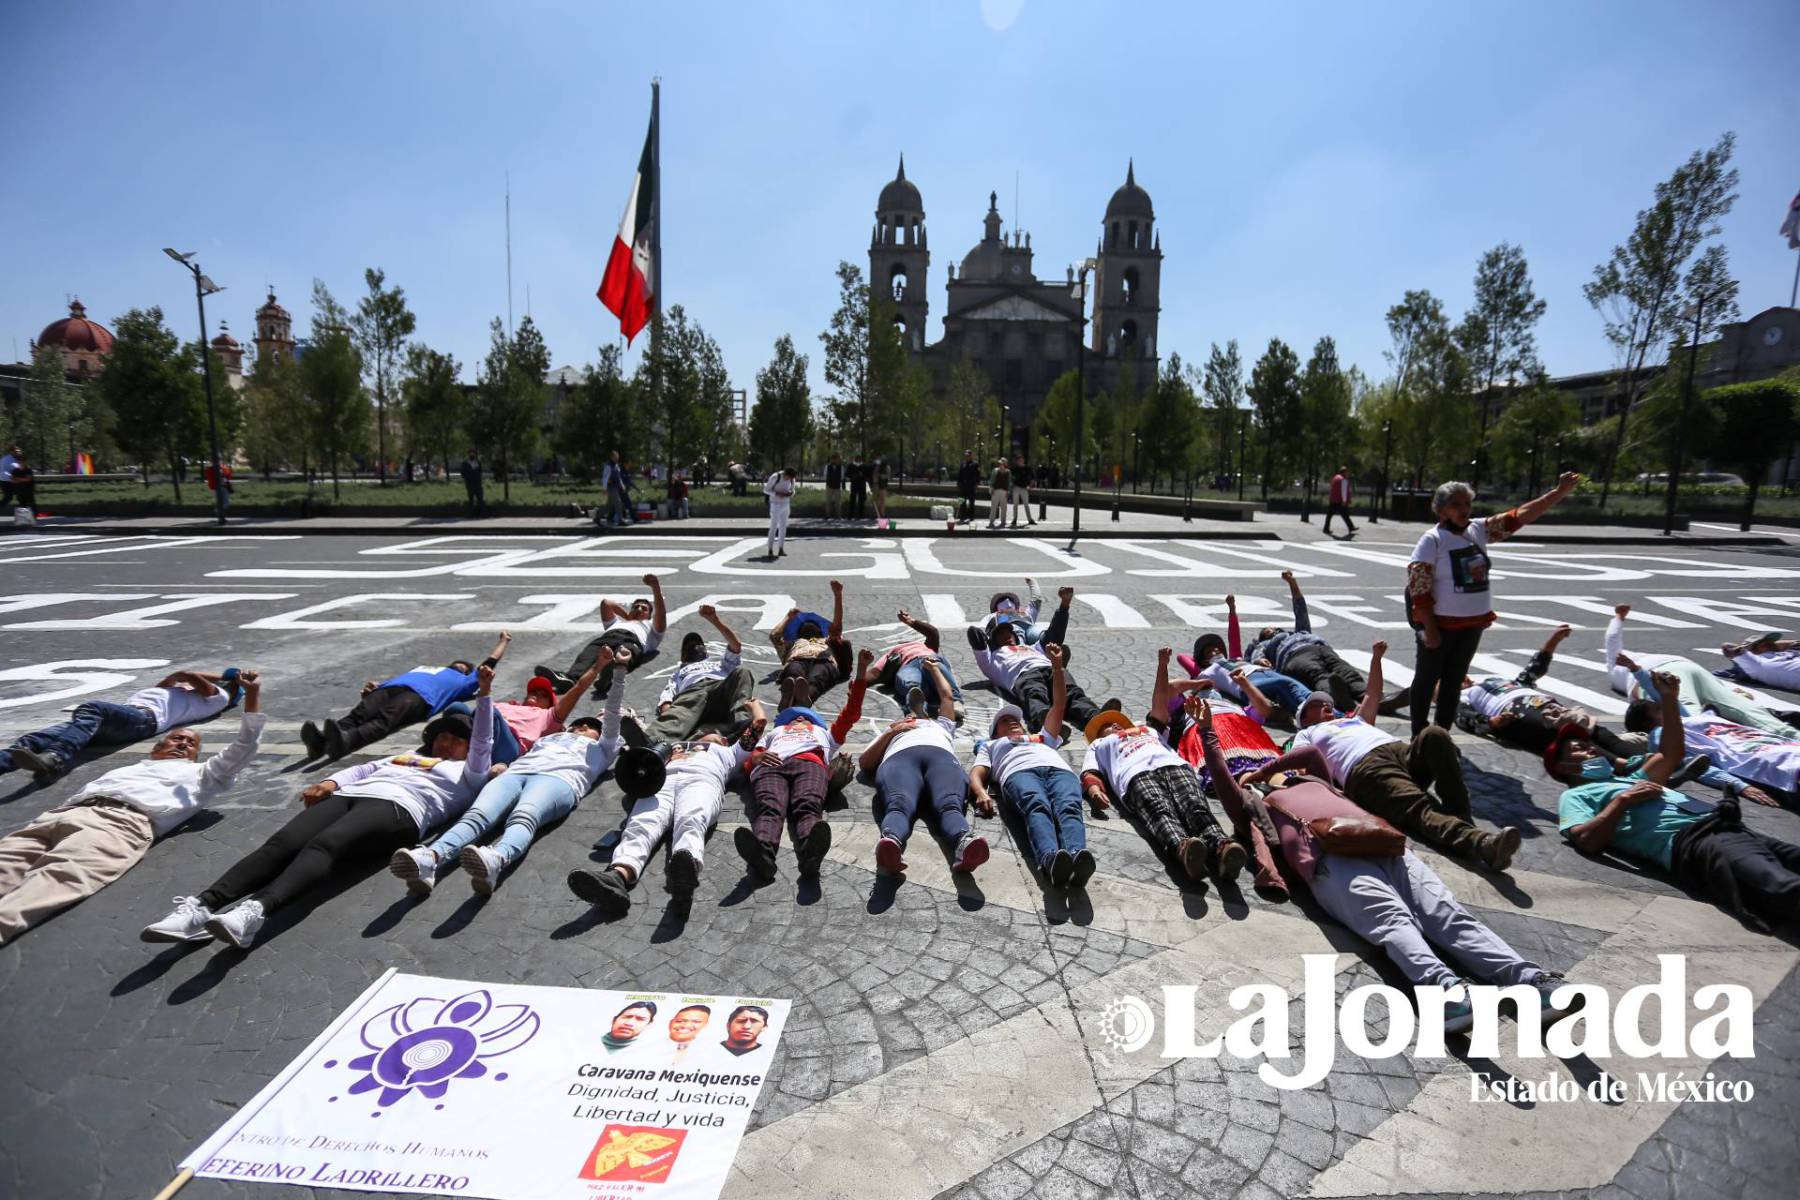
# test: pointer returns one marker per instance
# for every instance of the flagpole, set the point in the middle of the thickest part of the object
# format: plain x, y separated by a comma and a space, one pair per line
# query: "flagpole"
656, 296
1794, 292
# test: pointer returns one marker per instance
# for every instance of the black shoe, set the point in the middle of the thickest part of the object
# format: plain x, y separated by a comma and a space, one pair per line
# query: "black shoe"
605, 890
1395, 703
757, 855
810, 853
1085, 866
683, 874
558, 680
782, 553
44, 766
1229, 860
1690, 770
1113, 705
334, 740
312, 739
1061, 869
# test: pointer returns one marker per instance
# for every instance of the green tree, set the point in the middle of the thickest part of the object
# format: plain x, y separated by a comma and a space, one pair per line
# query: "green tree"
1637, 289
272, 437
507, 410
1222, 383
1056, 420
1324, 417
1275, 392
847, 354
782, 415
382, 324
597, 418
331, 380
1496, 337
896, 392
1171, 418
53, 417
1430, 408
714, 400
1759, 421
436, 407
153, 399
1535, 419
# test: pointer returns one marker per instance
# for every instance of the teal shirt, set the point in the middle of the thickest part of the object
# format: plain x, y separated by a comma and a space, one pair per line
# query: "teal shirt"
1648, 831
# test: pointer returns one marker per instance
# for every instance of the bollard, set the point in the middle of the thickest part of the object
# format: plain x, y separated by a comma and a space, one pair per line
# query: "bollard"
1187, 507
1115, 510
1043, 509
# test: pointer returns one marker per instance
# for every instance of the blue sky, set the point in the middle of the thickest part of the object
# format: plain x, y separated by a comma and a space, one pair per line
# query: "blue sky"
1308, 162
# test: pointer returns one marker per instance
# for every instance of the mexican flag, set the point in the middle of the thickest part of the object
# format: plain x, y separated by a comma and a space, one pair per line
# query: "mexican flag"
627, 287
1791, 227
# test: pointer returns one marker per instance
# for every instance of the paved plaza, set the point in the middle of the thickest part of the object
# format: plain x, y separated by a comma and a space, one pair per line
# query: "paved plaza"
945, 1037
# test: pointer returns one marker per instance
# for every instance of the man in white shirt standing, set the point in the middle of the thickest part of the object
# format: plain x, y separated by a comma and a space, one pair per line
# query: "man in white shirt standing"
107, 827
705, 690
779, 488
178, 699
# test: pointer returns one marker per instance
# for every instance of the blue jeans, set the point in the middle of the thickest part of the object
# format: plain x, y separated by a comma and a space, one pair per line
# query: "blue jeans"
1049, 802
506, 742
1283, 690
95, 722
524, 801
911, 674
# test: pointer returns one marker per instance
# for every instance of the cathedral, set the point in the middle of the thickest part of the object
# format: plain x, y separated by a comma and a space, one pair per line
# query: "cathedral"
1021, 330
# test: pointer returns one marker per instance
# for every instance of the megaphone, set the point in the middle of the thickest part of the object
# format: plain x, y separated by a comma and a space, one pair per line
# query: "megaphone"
640, 772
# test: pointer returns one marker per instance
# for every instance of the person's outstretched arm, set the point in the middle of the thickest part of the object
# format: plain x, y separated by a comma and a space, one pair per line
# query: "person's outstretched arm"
1302, 622
1616, 673
499, 650
837, 608
1059, 692
1531, 510
659, 621
946, 697
1370, 708
221, 769
1671, 750
1034, 602
711, 615
1234, 637
481, 740
1259, 703
1058, 631
1160, 691
851, 713
1539, 666
565, 703
925, 629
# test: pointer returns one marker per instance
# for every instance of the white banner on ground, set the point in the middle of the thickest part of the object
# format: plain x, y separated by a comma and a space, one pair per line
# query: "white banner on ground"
441, 1086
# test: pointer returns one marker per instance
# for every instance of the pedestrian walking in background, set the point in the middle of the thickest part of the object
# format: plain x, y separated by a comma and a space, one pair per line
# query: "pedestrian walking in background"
834, 488
968, 482
858, 477
878, 488
1021, 491
999, 488
1447, 596
1337, 502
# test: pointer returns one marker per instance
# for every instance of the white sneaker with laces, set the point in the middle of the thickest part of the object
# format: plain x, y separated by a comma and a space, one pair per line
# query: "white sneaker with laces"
484, 865
238, 926
417, 866
186, 924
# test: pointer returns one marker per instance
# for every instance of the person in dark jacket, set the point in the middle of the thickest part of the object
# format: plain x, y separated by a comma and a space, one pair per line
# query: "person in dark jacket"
968, 482
834, 488
858, 478
471, 477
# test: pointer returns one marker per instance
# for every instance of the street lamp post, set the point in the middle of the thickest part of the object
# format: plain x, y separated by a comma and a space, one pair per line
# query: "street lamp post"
1243, 437
1687, 400
204, 287
1080, 403
1137, 462
1387, 460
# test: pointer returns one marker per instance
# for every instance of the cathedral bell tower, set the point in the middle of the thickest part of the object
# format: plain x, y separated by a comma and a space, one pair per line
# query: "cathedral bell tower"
898, 259
1127, 283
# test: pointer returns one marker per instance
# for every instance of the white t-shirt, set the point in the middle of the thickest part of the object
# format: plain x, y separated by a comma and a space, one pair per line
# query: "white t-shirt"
1492, 697
1459, 569
778, 488
1777, 668
1008, 664
174, 706
1127, 754
646, 633
1343, 742
713, 764
1027, 752
936, 732
574, 758
1740, 750
170, 790
797, 737
690, 675
431, 790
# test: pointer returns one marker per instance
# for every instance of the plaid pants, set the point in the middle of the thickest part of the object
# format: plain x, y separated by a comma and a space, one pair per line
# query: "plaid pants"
1169, 802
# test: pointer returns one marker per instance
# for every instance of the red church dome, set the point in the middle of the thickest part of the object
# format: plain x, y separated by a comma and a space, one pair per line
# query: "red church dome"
76, 333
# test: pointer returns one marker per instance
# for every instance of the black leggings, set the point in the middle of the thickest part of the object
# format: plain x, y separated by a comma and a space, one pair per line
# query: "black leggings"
1319, 667
380, 713
1442, 670
1033, 691
302, 853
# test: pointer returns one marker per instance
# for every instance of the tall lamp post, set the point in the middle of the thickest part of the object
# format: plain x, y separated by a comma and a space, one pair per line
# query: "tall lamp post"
1387, 459
1243, 438
1687, 401
1087, 265
204, 287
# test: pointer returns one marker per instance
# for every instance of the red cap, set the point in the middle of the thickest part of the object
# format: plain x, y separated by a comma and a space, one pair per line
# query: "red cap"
540, 684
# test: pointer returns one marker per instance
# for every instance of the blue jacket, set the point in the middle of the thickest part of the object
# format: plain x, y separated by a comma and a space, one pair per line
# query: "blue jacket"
438, 686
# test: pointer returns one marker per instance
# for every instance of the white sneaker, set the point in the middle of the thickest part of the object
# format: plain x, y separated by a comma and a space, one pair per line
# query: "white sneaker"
484, 864
238, 926
418, 867
186, 924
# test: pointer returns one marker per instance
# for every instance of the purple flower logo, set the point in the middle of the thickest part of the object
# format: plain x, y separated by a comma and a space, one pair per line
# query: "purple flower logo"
428, 1042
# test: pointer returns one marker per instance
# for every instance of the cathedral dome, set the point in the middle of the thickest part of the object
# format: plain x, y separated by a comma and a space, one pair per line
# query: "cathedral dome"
75, 332
900, 195
273, 310
1130, 200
